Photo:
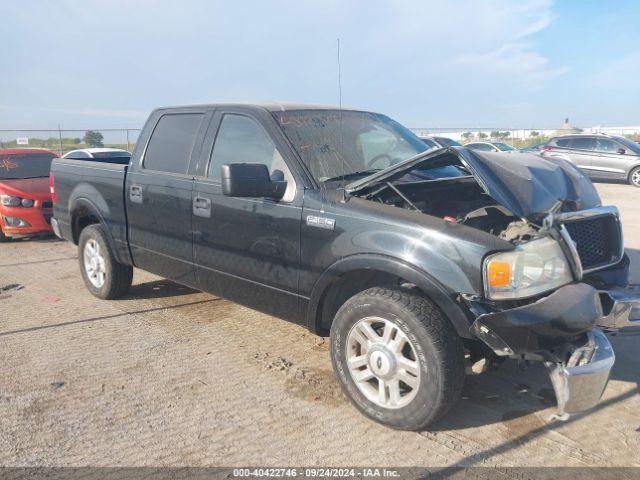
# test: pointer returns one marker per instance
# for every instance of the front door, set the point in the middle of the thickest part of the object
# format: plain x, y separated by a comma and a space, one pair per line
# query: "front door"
247, 249
158, 196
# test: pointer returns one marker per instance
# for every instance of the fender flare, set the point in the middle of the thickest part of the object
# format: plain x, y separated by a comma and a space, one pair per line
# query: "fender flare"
82, 202
425, 282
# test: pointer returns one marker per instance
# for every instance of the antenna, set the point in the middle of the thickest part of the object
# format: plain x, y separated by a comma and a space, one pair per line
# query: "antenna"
344, 169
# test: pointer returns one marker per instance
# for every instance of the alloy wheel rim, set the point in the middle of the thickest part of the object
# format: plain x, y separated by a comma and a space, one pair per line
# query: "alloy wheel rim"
383, 363
94, 264
635, 178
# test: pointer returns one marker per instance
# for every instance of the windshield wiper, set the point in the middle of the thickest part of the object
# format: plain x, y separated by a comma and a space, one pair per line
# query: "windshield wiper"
352, 174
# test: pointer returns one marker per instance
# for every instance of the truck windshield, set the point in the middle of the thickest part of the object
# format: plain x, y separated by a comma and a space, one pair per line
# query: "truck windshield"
339, 145
25, 166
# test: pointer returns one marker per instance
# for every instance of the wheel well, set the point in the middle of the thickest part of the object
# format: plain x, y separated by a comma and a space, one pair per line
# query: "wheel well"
80, 219
346, 286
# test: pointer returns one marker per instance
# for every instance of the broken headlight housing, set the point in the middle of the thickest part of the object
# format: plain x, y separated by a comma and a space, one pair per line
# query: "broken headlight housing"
532, 268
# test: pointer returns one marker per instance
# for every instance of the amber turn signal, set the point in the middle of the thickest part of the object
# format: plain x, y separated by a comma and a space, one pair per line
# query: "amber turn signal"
498, 274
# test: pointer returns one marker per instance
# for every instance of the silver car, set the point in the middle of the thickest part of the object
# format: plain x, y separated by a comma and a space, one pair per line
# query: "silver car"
601, 156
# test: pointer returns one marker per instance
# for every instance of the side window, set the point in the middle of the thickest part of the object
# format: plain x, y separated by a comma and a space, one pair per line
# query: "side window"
583, 143
562, 142
171, 142
78, 155
483, 147
242, 140
606, 145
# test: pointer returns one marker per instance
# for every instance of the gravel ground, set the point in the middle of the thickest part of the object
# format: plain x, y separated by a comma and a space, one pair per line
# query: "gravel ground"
171, 376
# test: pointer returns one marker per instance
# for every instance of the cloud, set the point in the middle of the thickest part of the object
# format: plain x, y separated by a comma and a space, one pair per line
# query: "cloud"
516, 61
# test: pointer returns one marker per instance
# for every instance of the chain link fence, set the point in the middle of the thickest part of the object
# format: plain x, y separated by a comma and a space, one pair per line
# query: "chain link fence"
64, 140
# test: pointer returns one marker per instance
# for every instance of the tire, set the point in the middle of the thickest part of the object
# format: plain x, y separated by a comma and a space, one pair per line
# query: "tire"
3, 237
104, 277
634, 177
432, 348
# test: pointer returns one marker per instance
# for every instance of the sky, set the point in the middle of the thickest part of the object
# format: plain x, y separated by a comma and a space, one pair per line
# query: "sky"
491, 63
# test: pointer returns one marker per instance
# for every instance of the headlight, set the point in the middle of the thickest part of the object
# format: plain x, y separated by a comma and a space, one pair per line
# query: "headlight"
532, 268
11, 201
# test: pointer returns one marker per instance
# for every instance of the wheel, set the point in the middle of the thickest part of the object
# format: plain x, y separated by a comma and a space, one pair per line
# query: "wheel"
104, 277
397, 357
634, 177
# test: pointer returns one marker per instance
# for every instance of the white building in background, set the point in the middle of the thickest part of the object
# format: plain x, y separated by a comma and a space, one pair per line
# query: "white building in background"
524, 133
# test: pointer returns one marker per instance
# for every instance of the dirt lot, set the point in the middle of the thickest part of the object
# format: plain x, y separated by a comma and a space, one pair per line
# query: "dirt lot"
170, 376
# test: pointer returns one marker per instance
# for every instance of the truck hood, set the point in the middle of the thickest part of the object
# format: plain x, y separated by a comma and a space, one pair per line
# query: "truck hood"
526, 184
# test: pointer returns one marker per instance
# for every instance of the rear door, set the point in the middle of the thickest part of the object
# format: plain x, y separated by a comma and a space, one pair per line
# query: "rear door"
247, 249
158, 195
581, 152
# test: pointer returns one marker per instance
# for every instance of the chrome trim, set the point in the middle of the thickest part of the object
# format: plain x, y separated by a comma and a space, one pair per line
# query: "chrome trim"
56, 228
602, 211
624, 311
580, 382
576, 263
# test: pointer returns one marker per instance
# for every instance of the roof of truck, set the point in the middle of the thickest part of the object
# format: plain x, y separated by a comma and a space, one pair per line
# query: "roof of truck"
270, 106
24, 151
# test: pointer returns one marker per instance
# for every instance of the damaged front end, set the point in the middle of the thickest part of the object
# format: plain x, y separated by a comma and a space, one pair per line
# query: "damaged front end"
562, 284
565, 329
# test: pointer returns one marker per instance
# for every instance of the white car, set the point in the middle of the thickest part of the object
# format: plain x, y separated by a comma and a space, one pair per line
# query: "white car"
109, 155
491, 147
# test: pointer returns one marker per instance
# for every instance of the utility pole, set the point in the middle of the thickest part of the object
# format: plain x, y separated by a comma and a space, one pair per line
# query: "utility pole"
60, 138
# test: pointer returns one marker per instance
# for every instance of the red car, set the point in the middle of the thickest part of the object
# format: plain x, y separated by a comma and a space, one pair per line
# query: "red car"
25, 197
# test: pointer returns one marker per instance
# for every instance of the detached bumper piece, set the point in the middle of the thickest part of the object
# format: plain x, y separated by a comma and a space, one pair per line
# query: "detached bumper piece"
621, 308
580, 382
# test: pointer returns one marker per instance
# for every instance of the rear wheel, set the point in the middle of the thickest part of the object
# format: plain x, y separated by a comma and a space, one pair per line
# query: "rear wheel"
634, 177
397, 357
102, 274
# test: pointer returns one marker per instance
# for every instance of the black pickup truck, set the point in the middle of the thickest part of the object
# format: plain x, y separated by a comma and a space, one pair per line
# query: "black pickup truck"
417, 263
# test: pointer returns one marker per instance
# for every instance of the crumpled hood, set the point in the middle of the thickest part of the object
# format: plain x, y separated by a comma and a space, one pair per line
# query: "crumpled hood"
525, 183
528, 184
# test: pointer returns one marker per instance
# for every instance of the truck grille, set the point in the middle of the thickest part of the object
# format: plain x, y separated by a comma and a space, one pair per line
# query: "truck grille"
598, 240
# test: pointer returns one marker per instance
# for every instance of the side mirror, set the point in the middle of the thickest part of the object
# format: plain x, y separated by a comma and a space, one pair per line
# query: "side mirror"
622, 151
250, 180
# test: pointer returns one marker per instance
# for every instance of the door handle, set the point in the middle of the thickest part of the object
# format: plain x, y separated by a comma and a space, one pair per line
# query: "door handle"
202, 207
135, 194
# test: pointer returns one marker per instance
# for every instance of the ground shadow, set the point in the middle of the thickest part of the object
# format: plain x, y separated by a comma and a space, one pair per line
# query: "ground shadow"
157, 289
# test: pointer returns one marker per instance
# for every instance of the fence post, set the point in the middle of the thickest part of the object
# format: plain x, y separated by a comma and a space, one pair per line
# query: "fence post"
128, 146
60, 139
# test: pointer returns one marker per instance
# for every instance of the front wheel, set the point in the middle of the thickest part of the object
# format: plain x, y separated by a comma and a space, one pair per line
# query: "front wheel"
634, 177
397, 357
104, 277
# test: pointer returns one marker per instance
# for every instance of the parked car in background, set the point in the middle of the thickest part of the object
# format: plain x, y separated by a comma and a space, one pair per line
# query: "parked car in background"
440, 141
491, 147
412, 260
601, 156
25, 199
108, 155
537, 148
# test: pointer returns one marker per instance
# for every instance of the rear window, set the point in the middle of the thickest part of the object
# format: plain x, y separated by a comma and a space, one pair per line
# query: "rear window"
25, 166
171, 142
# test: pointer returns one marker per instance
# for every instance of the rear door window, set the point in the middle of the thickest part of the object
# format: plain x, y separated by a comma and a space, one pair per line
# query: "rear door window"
583, 143
172, 142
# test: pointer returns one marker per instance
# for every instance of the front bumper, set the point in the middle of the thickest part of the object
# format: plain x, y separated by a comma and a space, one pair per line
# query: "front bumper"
561, 330
38, 220
580, 382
